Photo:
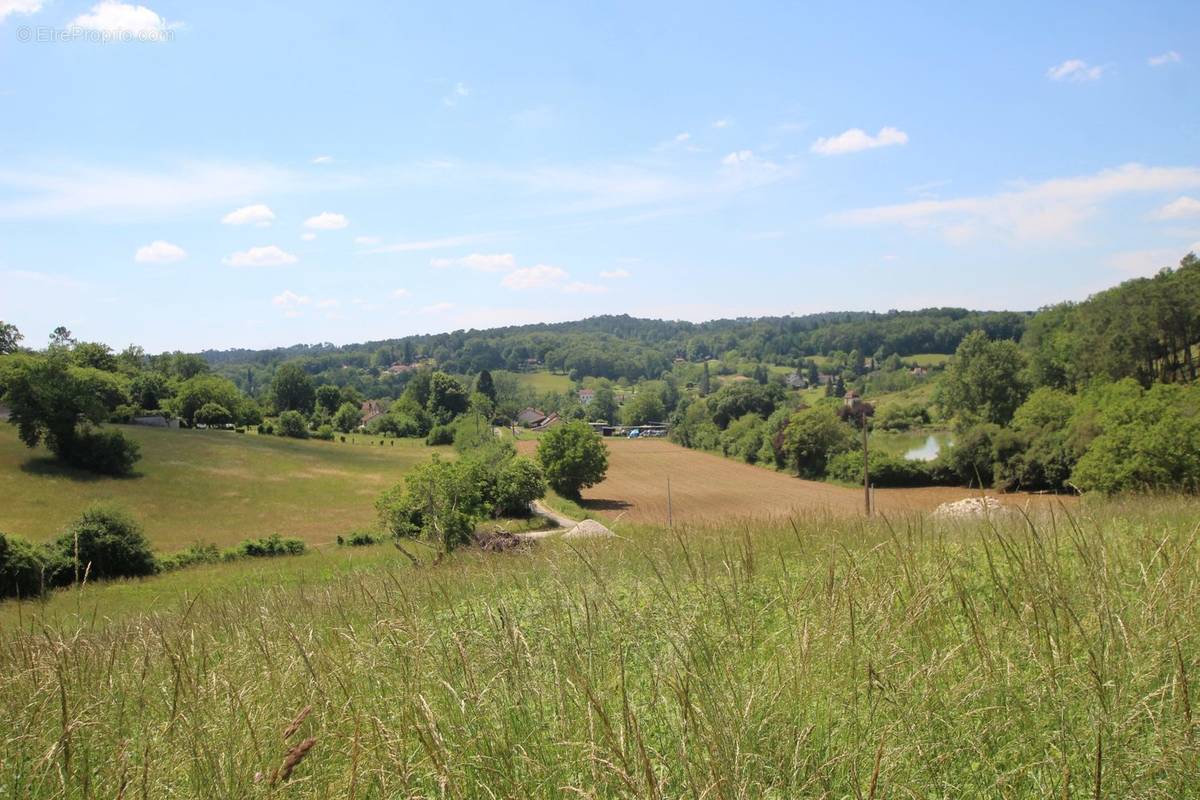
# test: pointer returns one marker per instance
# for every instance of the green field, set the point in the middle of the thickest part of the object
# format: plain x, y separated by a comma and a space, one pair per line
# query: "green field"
214, 486
928, 359
816, 658
543, 382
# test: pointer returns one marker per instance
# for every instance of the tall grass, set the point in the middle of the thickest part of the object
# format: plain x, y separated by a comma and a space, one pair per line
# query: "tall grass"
810, 658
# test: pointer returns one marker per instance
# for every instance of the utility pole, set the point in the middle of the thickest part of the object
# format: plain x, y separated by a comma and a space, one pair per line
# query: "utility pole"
866, 467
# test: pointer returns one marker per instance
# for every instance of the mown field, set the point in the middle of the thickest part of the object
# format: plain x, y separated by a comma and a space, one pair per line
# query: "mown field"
706, 487
215, 486
818, 658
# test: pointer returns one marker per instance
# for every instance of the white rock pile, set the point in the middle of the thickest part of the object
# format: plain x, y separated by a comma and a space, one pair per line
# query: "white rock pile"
587, 529
969, 508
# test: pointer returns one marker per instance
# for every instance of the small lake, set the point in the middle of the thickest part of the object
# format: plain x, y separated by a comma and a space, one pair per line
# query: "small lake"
923, 446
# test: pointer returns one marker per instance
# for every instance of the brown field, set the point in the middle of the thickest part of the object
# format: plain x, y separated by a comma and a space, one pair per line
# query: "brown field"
707, 487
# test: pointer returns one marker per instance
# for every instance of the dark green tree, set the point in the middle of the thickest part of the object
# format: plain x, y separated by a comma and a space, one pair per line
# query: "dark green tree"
293, 389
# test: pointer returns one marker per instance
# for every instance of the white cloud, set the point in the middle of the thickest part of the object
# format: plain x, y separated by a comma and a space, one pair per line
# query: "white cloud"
19, 7
401, 293
438, 308
326, 221
257, 214
268, 256
540, 276
1075, 70
367, 241
124, 18
479, 262
1179, 208
611, 274
328, 303
323, 160
159, 252
1052, 208
721, 123
459, 91
1169, 57
856, 139
738, 157
289, 299
308, 236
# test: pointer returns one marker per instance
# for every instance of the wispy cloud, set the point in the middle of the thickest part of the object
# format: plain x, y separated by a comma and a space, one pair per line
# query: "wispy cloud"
540, 276
159, 252
1179, 208
1161, 60
1075, 70
479, 262
114, 192
1048, 209
615, 274
19, 7
856, 139
257, 214
426, 244
326, 221
322, 160
459, 91
267, 256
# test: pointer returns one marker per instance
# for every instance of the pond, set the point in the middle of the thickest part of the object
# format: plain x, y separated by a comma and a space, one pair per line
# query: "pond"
922, 446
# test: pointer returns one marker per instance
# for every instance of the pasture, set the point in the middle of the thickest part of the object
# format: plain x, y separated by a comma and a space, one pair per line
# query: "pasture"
214, 486
544, 382
706, 487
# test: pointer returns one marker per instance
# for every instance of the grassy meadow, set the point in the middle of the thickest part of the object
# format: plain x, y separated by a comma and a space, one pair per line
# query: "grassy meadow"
215, 486
543, 381
810, 658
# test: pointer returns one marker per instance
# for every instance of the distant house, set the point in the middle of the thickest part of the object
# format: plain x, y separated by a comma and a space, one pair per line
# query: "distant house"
586, 396
825, 377
796, 381
918, 372
851, 399
399, 369
371, 410
530, 416
547, 422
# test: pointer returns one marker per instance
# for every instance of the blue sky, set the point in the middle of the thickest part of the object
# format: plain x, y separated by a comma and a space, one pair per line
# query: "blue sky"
219, 174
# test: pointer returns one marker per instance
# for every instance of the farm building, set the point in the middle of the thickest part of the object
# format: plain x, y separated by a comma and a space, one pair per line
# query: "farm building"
530, 416
796, 381
547, 422
586, 396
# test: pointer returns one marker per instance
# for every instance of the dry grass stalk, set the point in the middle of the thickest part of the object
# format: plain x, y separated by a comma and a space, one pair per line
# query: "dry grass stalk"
295, 724
294, 756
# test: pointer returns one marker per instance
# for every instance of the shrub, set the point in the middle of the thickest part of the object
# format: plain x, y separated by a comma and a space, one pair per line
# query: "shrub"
519, 482
101, 450
195, 555
267, 547
22, 567
103, 543
359, 539
886, 470
291, 424
324, 433
440, 434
